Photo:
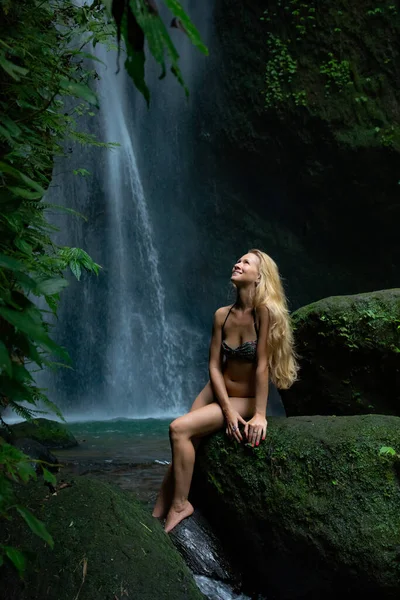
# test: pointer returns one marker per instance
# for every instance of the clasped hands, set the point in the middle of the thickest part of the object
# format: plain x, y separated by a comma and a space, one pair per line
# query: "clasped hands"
254, 431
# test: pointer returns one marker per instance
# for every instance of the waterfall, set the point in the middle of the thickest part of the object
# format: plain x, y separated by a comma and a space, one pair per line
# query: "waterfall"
134, 343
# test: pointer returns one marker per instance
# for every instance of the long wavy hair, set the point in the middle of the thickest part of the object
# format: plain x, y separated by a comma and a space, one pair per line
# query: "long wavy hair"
269, 292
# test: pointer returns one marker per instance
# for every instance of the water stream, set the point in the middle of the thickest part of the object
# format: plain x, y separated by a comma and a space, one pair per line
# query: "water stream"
134, 354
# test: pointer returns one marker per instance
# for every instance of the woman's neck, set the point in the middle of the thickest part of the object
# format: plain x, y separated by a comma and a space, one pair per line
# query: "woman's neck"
244, 299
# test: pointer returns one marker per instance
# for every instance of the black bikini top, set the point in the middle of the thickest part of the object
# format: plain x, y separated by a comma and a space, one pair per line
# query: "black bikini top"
247, 350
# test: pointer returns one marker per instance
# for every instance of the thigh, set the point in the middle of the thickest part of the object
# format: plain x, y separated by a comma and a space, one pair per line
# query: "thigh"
205, 397
200, 422
210, 418
244, 406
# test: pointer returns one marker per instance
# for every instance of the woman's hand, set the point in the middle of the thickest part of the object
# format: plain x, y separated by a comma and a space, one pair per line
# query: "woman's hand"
233, 419
256, 429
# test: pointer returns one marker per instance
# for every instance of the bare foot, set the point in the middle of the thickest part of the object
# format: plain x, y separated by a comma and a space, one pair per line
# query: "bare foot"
160, 509
177, 514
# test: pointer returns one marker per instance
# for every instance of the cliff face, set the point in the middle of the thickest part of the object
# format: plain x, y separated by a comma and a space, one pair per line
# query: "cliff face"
309, 108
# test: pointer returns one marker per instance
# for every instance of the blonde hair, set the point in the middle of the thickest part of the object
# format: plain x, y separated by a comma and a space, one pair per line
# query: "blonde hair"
282, 357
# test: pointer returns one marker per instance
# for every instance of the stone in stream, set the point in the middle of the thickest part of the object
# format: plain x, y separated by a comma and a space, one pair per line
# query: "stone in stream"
314, 511
37, 451
350, 356
51, 434
106, 547
202, 550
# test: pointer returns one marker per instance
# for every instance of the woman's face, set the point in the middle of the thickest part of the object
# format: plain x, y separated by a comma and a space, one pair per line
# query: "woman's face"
246, 270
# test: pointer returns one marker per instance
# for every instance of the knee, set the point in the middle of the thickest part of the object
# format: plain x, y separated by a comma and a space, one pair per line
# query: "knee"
177, 428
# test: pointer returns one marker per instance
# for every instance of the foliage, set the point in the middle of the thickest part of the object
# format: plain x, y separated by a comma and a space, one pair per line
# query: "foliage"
37, 116
16, 467
138, 20
44, 90
279, 73
346, 52
337, 72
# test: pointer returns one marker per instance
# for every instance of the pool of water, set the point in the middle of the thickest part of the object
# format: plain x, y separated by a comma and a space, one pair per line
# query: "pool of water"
133, 453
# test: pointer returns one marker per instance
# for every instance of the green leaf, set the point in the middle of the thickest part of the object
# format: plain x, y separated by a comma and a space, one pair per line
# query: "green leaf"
79, 90
26, 282
18, 392
33, 354
49, 477
6, 262
16, 557
26, 471
5, 361
11, 128
154, 30
176, 8
23, 246
82, 172
5, 133
90, 56
5, 168
75, 268
134, 65
20, 373
64, 209
26, 194
14, 70
387, 450
24, 322
51, 286
35, 525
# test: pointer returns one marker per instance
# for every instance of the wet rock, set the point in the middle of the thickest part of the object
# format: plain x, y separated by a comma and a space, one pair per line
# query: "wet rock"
202, 550
37, 451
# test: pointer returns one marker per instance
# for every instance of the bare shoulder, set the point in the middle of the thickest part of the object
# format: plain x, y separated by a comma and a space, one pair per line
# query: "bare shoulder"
263, 312
221, 313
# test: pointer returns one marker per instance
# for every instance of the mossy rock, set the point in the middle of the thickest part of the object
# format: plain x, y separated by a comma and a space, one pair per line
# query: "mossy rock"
350, 356
51, 434
314, 512
126, 551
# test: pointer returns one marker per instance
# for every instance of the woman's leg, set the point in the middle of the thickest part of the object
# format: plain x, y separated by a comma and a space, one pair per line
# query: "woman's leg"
193, 425
164, 498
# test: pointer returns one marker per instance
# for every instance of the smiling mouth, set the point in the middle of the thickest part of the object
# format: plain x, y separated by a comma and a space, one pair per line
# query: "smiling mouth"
236, 271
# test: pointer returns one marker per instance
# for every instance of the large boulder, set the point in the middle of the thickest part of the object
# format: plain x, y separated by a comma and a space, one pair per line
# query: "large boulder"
350, 356
51, 434
107, 546
314, 511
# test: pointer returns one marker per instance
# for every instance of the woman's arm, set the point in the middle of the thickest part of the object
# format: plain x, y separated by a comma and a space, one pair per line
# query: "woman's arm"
257, 426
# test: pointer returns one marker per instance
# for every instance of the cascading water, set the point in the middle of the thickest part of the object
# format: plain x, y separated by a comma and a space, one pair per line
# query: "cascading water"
132, 355
142, 342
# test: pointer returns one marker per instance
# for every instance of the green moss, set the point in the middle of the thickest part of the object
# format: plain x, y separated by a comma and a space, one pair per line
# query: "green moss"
127, 552
352, 89
318, 487
51, 434
349, 355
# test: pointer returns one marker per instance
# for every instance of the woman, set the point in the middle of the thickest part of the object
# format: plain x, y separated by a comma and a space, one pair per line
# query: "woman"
251, 342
